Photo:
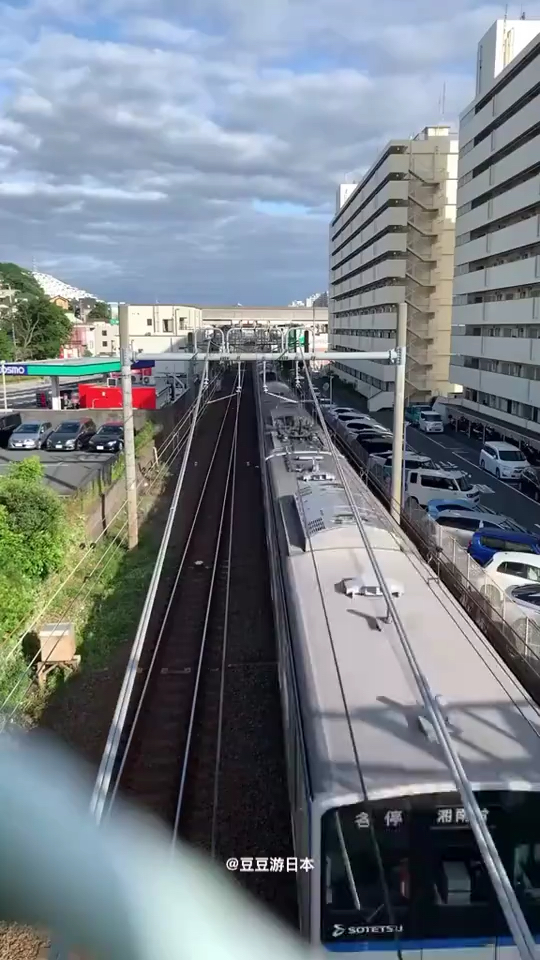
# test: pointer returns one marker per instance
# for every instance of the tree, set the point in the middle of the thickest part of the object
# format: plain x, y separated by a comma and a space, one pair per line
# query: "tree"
100, 311
6, 345
17, 278
40, 328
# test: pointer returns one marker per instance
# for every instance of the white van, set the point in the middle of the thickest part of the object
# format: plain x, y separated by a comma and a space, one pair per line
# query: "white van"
430, 422
421, 486
503, 459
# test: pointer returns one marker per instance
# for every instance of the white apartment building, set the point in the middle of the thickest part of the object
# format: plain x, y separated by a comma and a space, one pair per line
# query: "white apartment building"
392, 241
496, 313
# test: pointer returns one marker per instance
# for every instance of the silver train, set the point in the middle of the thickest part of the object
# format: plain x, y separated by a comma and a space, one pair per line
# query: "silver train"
369, 787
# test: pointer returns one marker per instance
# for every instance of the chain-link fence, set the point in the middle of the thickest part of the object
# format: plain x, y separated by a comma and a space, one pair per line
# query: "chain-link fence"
514, 634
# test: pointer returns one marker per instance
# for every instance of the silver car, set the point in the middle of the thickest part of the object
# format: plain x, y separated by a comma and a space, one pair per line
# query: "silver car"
30, 436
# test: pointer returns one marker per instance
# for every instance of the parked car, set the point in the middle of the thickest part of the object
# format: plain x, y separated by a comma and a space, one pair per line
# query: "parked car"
411, 461
109, 438
434, 507
336, 411
523, 616
529, 482
8, 423
31, 435
422, 486
503, 572
375, 444
71, 435
460, 524
512, 569
503, 459
487, 542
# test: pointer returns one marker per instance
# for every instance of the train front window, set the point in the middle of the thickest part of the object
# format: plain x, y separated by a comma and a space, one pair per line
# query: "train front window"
433, 883
527, 871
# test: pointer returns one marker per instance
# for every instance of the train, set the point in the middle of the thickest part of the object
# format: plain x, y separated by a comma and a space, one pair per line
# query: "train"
374, 808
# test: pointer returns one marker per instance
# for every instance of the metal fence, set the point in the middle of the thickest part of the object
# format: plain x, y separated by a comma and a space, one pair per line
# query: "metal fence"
515, 636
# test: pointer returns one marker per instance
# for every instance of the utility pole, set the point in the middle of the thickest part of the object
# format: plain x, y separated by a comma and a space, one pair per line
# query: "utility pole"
399, 414
129, 432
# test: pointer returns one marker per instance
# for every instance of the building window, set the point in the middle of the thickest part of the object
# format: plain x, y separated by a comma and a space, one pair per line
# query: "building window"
167, 326
149, 322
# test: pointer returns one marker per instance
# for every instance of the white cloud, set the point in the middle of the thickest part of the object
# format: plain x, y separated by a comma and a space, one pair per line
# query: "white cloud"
195, 156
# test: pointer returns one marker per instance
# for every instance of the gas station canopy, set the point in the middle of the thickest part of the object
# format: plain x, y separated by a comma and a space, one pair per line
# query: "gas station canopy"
69, 368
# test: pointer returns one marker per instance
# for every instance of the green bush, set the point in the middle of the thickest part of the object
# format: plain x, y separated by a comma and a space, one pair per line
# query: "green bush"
33, 520
33, 538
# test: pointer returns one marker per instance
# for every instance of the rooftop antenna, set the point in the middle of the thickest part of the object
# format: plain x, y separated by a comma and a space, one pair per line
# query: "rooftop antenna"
442, 102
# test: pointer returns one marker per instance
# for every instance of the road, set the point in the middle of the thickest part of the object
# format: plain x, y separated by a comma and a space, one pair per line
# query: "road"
64, 472
464, 454
21, 397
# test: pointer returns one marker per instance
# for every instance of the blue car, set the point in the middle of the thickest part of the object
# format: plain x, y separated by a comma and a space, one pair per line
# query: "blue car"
435, 507
485, 543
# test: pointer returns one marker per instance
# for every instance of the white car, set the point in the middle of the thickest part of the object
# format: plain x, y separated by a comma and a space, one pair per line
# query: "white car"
522, 615
505, 570
421, 486
503, 459
430, 422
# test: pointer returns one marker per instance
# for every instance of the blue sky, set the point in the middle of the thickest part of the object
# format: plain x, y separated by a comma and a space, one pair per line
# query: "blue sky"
146, 155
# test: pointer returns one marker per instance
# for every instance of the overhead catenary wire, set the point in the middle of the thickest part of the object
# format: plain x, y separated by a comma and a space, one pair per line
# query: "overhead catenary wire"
503, 889
371, 826
24, 627
108, 761
155, 652
191, 722
116, 544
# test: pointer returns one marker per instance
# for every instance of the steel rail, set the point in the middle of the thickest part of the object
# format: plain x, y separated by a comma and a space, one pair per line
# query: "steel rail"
506, 896
209, 604
164, 622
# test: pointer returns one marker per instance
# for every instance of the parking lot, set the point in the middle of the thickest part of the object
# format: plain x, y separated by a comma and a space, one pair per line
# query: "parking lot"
64, 472
462, 453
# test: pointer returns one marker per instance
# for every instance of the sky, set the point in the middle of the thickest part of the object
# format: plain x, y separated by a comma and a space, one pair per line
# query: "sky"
150, 155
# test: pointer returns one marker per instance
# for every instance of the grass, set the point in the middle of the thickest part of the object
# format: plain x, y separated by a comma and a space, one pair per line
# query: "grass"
103, 599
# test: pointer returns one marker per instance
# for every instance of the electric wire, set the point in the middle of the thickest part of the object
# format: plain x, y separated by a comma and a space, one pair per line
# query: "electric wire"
102, 793
200, 660
27, 628
503, 889
371, 825
102, 566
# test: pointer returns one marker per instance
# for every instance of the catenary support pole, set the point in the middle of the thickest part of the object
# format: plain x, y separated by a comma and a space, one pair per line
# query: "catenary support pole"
399, 413
129, 432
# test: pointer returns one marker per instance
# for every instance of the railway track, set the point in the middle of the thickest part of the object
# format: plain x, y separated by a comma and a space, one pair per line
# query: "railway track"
203, 746
157, 747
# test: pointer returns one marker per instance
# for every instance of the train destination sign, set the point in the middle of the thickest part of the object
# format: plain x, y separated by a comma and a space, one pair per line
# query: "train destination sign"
442, 817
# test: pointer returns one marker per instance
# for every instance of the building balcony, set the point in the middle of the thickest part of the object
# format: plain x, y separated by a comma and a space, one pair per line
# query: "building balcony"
519, 273
388, 217
512, 349
514, 127
521, 234
498, 384
524, 195
518, 311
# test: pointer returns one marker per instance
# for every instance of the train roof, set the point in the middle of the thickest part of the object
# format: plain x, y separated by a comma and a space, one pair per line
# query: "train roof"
357, 692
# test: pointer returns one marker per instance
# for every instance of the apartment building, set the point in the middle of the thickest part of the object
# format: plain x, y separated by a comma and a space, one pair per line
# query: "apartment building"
496, 313
392, 241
